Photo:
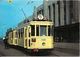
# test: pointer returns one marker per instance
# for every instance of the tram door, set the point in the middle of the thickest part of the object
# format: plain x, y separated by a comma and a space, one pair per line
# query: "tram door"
25, 39
29, 34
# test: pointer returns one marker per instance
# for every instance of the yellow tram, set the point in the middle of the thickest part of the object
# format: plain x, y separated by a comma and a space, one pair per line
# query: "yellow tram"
35, 35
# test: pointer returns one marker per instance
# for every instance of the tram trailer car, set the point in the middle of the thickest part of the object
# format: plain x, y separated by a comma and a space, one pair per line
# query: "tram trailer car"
35, 36
12, 37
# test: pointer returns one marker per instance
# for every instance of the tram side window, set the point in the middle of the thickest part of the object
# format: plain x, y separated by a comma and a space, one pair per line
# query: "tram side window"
26, 32
37, 30
22, 32
19, 33
16, 34
12, 34
32, 30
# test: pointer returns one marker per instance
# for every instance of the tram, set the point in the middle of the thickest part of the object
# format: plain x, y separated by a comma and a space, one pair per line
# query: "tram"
35, 35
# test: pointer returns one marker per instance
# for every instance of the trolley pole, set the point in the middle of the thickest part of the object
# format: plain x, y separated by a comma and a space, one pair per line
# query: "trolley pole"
23, 13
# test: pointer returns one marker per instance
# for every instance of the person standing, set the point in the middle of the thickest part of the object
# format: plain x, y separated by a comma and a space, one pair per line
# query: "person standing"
5, 42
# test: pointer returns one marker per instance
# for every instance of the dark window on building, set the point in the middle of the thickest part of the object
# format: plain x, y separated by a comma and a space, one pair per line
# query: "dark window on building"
49, 12
32, 30
58, 2
37, 30
71, 10
64, 12
54, 12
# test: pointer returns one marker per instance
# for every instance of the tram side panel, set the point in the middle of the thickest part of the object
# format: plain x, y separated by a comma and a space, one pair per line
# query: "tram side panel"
25, 37
15, 38
11, 38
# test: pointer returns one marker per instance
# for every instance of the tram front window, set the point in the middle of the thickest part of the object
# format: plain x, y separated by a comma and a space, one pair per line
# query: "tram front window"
43, 31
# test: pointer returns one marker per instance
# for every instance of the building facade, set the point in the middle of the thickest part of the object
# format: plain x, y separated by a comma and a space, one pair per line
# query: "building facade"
65, 16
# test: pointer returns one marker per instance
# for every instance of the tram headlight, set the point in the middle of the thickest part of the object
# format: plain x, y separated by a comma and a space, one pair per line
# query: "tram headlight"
43, 43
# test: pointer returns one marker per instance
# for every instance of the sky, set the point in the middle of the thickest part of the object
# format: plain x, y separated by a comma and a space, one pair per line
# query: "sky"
11, 13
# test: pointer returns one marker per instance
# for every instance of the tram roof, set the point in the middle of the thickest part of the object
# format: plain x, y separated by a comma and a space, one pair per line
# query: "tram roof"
36, 22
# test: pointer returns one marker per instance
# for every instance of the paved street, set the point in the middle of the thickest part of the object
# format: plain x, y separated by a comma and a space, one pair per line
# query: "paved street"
16, 52
10, 51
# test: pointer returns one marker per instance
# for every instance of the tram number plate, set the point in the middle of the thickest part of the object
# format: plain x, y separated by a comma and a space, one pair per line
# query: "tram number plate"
43, 39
